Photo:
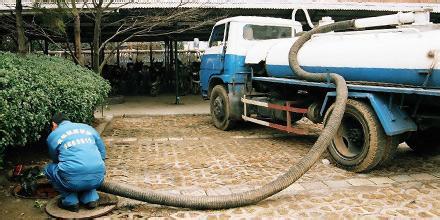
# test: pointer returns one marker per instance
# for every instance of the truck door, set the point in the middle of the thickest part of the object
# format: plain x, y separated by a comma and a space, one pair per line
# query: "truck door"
213, 59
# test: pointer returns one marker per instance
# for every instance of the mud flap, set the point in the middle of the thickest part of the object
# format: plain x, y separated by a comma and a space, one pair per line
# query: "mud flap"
235, 92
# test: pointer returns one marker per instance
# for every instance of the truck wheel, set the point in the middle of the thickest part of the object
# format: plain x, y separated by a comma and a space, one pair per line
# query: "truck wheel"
426, 141
390, 150
360, 142
220, 108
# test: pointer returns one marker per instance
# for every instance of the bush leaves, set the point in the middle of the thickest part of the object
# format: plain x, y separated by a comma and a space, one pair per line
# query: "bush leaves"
34, 87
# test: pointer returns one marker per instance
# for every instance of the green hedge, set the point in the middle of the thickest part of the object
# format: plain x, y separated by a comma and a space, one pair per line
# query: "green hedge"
32, 88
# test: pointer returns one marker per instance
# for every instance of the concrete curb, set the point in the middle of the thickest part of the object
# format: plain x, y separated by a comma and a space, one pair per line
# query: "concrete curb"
102, 126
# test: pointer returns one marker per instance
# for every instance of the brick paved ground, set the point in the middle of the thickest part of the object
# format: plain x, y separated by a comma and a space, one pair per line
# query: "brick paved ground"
187, 155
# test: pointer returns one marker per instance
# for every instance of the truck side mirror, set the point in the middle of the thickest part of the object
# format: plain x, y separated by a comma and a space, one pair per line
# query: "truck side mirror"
196, 43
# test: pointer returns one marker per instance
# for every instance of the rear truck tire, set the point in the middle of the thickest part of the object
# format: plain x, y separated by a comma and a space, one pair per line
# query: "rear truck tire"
425, 141
221, 108
390, 150
360, 143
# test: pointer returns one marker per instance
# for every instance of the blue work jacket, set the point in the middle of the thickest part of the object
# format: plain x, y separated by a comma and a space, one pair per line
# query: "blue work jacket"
78, 150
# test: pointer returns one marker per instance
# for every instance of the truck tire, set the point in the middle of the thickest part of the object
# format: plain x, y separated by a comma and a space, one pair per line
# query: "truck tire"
220, 108
360, 143
426, 141
390, 150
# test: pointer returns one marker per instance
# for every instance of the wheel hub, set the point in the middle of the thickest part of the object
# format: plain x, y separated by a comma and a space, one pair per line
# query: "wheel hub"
350, 139
219, 110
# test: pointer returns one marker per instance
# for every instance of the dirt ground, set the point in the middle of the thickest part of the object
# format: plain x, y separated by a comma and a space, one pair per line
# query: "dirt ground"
14, 207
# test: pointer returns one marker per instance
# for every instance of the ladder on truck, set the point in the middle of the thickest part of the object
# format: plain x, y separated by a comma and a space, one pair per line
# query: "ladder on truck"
288, 108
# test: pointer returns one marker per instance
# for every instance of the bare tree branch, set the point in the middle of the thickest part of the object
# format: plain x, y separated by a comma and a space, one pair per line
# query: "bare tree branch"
71, 53
144, 33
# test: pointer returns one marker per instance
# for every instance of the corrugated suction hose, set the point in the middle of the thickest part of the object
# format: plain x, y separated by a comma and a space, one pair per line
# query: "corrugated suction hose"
283, 181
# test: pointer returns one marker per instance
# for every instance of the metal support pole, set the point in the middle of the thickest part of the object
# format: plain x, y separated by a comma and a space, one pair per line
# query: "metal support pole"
31, 46
92, 55
151, 54
166, 56
170, 62
176, 67
46, 47
171, 54
118, 62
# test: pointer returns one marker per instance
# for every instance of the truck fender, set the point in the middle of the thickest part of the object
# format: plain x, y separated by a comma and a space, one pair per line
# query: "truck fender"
394, 121
213, 81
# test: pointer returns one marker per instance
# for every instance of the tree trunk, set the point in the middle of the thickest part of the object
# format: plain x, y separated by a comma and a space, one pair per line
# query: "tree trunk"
77, 34
21, 37
97, 39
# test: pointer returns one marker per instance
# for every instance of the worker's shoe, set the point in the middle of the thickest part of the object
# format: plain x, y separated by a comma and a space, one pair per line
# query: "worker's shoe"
91, 205
72, 208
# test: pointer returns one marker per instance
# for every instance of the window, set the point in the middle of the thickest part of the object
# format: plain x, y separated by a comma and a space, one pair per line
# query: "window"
260, 32
217, 35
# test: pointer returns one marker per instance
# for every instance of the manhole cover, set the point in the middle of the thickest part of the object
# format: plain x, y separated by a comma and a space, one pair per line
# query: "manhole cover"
53, 210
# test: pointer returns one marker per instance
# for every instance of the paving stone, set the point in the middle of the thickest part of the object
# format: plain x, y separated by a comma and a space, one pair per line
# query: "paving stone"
129, 139
314, 185
337, 183
280, 135
294, 187
422, 176
251, 136
401, 178
158, 218
360, 182
218, 191
239, 189
381, 180
193, 191
127, 202
436, 158
265, 136
362, 175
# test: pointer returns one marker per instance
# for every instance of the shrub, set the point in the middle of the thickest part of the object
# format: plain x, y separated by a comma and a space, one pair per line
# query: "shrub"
32, 88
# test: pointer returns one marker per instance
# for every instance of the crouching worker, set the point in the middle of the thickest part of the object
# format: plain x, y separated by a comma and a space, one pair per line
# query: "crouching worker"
78, 168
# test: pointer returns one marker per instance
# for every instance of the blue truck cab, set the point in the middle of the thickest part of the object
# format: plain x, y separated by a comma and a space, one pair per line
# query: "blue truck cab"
224, 60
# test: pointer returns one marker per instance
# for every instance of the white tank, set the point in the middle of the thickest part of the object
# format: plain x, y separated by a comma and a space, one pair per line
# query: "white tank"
406, 55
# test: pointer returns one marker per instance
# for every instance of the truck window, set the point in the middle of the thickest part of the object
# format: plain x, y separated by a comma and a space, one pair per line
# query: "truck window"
264, 32
217, 35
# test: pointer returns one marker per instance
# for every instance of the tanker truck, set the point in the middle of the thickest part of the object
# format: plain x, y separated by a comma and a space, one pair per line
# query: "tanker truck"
390, 65
371, 88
